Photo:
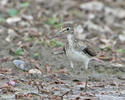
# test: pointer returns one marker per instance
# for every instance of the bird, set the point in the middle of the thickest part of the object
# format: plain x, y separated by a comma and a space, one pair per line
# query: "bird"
75, 49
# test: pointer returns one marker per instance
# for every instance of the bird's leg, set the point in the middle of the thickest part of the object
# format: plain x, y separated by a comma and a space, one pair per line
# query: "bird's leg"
71, 64
86, 72
86, 82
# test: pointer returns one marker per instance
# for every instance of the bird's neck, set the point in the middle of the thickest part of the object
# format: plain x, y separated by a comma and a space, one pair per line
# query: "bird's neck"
70, 40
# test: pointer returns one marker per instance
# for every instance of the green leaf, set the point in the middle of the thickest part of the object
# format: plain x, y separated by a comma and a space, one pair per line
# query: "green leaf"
52, 43
13, 12
24, 4
52, 21
19, 51
59, 44
120, 50
58, 26
36, 55
41, 42
2, 19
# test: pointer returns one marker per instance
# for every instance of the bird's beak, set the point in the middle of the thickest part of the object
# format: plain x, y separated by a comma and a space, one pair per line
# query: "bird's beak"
58, 33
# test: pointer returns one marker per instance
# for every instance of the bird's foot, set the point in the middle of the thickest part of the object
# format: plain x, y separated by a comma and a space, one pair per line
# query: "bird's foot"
72, 75
86, 88
88, 94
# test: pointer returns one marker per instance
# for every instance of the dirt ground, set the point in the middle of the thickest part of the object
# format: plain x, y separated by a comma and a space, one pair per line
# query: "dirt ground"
26, 27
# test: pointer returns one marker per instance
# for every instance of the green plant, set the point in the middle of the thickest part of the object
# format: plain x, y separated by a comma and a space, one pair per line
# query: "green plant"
58, 26
2, 19
24, 4
54, 43
52, 20
19, 51
13, 12
36, 55
120, 50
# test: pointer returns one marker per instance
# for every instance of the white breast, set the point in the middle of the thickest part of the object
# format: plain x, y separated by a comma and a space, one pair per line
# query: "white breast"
77, 56
73, 54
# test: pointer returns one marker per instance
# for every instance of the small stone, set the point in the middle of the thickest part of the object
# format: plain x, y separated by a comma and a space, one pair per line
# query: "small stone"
80, 32
121, 77
92, 6
116, 12
27, 17
11, 35
91, 16
21, 65
91, 26
122, 38
12, 83
4, 2
13, 20
79, 29
35, 73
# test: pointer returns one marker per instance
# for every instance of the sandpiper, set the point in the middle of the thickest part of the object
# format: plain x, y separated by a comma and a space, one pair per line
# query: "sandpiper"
75, 49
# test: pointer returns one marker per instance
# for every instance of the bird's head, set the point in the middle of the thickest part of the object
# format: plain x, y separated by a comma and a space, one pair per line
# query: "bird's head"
66, 28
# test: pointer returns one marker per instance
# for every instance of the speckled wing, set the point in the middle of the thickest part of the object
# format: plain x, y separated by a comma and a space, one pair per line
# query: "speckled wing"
88, 50
86, 47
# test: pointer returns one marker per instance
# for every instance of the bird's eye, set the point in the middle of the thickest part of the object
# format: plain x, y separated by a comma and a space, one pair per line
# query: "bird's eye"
67, 28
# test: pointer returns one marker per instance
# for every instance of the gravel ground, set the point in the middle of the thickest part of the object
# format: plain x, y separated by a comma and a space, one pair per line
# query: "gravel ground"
25, 31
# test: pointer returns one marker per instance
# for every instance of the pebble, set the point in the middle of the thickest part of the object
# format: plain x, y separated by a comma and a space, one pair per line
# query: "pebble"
11, 35
92, 6
122, 37
13, 20
21, 65
35, 73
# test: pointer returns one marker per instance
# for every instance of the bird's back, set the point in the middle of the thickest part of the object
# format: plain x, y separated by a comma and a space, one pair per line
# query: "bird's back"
85, 47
